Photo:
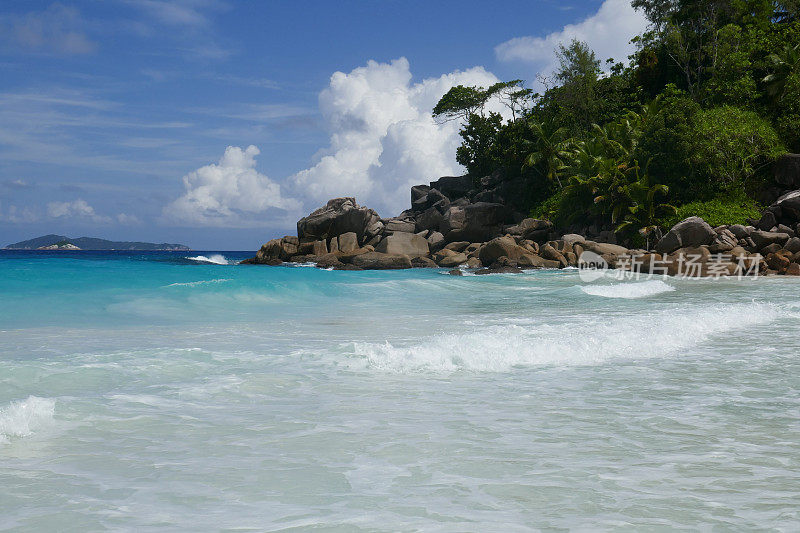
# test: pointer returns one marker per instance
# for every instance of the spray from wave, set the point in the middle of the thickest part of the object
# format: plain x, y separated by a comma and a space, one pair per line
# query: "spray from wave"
201, 282
588, 342
214, 259
629, 290
23, 418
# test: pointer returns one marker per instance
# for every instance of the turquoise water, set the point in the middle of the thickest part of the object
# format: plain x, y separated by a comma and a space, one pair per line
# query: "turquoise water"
158, 392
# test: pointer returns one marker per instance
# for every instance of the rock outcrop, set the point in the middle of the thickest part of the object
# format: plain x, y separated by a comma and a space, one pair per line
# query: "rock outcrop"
694, 231
453, 224
338, 216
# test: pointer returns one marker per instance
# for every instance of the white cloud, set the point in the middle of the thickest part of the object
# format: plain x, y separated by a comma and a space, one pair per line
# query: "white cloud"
383, 138
230, 193
608, 32
128, 220
16, 215
75, 209
58, 29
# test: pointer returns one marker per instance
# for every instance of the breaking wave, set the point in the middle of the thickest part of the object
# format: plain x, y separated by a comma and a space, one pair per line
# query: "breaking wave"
215, 259
629, 290
201, 282
22, 418
591, 341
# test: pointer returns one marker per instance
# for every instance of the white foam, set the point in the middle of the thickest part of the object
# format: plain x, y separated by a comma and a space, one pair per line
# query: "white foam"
589, 341
24, 417
202, 282
640, 289
216, 259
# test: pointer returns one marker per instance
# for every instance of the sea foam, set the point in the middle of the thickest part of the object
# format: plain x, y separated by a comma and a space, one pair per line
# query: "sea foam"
22, 418
201, 282
629, 290
588, 342
216, 259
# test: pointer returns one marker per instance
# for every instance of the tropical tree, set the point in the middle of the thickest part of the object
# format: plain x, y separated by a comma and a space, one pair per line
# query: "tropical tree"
547, 149
460, 103
783, 65
644, 209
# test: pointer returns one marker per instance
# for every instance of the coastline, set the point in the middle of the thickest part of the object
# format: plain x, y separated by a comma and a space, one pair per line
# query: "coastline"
490, 237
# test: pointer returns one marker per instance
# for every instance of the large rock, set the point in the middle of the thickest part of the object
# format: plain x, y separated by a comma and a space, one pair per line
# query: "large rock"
381, 261
793, 245
433, 198
423, 262
603, 248
532, 229
694, 231
277, 250
474, 222
501, 247
453, 260
548, 252
762, 239
338, 216
400, 225
419, 191
741, 232
453, 186
435, 241
787, 171
348, 242
502, 189
789, 207
430, 219
408, 244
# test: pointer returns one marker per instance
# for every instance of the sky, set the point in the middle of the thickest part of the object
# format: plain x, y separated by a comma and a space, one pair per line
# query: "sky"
218, 123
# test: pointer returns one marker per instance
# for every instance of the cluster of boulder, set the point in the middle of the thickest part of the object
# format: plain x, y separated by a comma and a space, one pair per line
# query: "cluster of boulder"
453, 224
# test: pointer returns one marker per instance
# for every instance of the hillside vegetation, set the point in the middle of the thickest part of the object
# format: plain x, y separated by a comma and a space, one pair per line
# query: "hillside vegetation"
687, 125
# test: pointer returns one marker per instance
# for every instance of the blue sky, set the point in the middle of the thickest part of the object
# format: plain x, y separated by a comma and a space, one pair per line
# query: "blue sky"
218, 123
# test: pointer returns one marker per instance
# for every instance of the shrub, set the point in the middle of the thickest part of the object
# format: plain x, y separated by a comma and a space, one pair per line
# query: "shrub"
732, 144
728, 209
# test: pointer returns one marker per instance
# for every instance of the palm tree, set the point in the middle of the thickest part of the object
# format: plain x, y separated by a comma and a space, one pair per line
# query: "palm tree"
784, 64
643, 208
547, 149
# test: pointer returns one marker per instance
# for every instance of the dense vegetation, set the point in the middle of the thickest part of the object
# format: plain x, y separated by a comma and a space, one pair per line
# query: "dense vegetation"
688, 125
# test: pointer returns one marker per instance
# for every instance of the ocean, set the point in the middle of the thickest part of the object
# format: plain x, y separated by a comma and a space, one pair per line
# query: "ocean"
179, 391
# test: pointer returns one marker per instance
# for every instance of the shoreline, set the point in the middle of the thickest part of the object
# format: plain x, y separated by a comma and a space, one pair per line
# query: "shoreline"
345, 236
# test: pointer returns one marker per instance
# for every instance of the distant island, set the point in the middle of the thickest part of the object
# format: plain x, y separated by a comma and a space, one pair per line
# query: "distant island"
60, 242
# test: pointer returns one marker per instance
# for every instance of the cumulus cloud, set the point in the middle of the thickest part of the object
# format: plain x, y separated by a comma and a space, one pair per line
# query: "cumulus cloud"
58, 29
75, 209
230, 193
608, 32
383, 139
128, 220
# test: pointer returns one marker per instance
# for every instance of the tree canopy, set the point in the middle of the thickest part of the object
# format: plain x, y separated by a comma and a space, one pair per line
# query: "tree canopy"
709, 98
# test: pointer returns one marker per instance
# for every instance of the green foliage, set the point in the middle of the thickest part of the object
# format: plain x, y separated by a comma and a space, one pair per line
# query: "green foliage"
547, 148
733, 82
668, 143
730, 208
577, 64
708, 100
643, 210
731, 144
481, 153
460, 103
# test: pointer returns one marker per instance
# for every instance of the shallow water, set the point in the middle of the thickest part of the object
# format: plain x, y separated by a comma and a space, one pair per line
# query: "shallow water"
156, 391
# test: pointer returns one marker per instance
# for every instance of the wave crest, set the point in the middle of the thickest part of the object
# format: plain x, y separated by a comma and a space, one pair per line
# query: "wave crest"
22, 418
591, 341
215, 259
629, 290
